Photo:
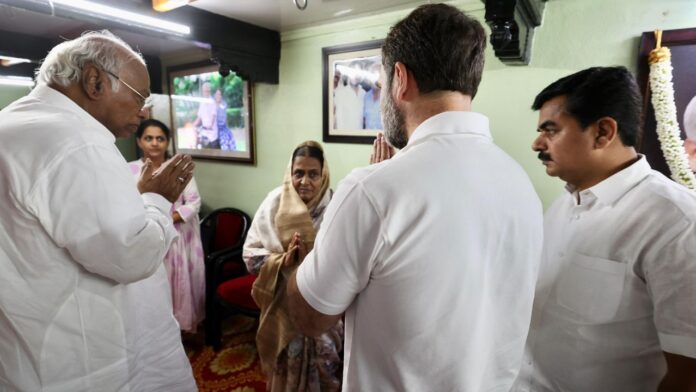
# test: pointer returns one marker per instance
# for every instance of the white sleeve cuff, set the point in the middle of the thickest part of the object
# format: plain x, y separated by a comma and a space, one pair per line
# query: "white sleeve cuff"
680, 345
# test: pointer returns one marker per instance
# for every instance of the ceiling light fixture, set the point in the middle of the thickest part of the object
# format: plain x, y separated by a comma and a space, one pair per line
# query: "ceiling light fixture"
105, 12
168, 5
16, 81
6, 61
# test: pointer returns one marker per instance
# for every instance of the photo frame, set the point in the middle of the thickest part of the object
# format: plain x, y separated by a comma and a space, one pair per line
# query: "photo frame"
351, 109
200, 96
682, 44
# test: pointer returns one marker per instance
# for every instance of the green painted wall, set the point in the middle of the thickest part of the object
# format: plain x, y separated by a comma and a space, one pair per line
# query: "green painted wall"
9, 94
127, 148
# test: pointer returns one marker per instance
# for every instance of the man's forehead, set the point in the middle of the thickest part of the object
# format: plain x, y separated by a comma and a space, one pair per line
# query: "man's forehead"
136, 71
554, 107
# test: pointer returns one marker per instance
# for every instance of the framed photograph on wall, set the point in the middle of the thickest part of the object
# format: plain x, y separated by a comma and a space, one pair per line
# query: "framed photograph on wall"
682, 45
211, 114
351, 92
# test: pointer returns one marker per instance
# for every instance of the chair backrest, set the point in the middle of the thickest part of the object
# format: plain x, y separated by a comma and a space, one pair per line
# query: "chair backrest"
224, 228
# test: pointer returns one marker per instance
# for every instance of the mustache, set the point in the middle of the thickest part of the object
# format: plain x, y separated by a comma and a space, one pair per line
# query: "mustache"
544, 156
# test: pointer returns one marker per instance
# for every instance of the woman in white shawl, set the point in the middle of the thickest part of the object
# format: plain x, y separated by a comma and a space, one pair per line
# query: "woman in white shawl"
281, 234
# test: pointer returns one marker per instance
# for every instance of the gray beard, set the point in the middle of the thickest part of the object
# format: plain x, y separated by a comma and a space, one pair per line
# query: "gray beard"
393, 121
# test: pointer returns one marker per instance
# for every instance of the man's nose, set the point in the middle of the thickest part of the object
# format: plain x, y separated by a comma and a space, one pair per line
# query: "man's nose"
538, 144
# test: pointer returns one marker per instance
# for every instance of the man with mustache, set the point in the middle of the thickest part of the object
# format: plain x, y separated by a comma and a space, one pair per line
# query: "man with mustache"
430, 256
614, 307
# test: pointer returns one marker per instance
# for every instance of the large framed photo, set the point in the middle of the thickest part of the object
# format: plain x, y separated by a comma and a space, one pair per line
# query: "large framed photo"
682, 44
351, 92
211, 114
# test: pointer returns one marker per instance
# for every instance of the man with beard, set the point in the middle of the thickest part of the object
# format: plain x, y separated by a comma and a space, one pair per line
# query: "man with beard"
614, 307
432, 254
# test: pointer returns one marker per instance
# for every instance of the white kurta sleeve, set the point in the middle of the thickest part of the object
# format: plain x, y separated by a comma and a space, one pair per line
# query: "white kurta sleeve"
262, 239
347, 248
88, 204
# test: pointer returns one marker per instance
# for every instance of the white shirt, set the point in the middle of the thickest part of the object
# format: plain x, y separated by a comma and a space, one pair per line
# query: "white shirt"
433, 255
73, 232
617, 286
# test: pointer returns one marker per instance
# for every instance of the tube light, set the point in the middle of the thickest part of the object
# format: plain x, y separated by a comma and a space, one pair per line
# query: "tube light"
8, 60
126, 16
168, 5
16, 81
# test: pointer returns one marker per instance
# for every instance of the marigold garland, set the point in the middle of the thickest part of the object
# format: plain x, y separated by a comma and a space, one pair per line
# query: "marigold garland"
662, 100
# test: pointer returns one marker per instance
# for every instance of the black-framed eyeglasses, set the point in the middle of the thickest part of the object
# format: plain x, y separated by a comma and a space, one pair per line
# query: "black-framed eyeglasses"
143, 102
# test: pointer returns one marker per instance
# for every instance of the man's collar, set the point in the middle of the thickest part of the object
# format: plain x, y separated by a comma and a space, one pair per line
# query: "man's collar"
613, 187
450, 123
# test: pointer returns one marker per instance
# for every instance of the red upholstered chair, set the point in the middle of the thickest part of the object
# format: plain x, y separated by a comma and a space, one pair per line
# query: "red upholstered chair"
228, 284
223, 232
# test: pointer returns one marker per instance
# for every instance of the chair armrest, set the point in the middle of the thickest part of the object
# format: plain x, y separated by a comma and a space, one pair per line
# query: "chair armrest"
226, 256
214, 267
224, 252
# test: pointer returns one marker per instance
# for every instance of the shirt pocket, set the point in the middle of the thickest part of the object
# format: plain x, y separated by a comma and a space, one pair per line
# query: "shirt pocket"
591, 287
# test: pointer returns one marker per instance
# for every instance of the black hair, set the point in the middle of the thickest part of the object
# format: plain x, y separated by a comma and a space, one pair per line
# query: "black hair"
599, 92
441, 46
153, 123
311, 152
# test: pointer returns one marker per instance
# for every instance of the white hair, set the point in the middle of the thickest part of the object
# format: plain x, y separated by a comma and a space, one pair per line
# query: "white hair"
63, 64
690, 120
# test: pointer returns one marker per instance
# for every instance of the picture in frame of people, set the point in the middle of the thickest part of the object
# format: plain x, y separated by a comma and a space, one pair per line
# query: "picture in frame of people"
351, 112
211, 113
682, 45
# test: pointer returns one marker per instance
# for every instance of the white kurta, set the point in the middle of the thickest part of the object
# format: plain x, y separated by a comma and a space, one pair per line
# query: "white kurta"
617, 286
433, 255
73, 233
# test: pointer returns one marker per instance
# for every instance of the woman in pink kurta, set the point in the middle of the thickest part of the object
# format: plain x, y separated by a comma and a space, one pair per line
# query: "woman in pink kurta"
184, 262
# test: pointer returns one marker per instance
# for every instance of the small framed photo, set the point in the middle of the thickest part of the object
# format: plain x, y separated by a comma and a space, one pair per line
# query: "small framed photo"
351, 111
211, 114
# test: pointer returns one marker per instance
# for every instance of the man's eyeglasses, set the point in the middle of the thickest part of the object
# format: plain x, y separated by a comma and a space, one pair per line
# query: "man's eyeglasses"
143, 99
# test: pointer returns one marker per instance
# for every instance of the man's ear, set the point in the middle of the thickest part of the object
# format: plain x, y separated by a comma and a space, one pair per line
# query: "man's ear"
606, 132
403, 83
93, 83
399, 80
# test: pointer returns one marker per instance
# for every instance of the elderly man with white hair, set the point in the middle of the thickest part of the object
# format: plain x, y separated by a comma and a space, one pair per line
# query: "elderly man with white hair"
75, 234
